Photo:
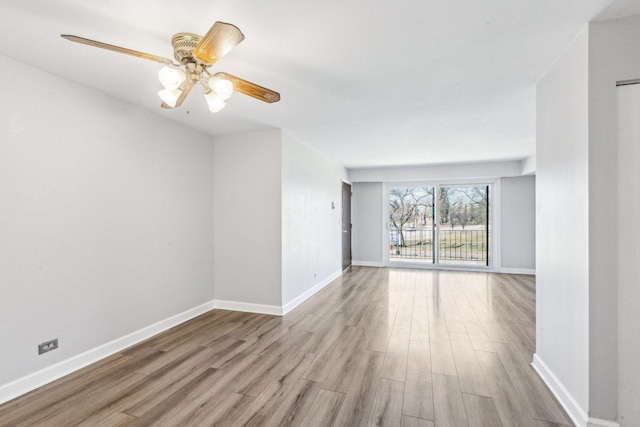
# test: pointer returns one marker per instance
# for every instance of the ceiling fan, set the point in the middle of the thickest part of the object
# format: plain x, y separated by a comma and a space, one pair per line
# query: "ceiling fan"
194, 55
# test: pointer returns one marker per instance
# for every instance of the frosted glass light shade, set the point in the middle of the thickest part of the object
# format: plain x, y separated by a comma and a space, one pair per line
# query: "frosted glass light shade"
171, 78
222, 87
215, 102
170, 97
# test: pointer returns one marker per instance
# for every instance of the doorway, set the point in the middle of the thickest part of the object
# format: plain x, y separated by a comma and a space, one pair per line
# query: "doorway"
346, 226
440, 225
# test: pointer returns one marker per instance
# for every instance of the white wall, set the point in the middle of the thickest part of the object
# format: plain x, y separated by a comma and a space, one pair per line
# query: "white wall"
247, 218
562, 227
367, 223
311, 229
614, 56
517, 223
277, 240
628, 229
105, 219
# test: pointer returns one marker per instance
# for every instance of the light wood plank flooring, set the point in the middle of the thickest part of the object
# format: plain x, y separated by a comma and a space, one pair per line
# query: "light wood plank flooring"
377, 347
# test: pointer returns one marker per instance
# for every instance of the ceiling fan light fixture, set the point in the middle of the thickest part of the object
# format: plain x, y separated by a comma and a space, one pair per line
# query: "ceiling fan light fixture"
171, 78
222, 87
215, 102
170, 97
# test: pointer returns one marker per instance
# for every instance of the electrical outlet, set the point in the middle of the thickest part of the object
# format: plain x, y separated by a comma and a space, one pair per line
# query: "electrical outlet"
47, 346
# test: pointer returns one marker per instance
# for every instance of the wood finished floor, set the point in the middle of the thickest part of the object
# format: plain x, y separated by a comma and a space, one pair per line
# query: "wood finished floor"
377, 347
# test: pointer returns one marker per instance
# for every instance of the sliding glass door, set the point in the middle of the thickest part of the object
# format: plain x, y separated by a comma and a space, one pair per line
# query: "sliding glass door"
440, 225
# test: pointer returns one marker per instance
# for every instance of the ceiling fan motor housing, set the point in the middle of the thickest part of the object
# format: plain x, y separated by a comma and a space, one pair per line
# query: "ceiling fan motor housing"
183, 45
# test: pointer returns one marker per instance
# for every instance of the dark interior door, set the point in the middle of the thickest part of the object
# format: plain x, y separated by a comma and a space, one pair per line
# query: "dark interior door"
346, 226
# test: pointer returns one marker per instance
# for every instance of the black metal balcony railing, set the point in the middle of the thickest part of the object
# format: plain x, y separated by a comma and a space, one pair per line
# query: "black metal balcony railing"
455, 245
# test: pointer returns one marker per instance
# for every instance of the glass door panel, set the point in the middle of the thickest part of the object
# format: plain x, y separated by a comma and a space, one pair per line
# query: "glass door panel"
464, 234
411, 224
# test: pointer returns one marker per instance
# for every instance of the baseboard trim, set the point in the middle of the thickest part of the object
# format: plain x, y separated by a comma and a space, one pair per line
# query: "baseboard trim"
308, 294
595, 422
574, 410
531, 271
51, 373
248, 307
367, 264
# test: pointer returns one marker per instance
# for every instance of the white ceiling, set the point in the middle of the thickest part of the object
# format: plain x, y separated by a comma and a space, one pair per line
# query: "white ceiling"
369, 83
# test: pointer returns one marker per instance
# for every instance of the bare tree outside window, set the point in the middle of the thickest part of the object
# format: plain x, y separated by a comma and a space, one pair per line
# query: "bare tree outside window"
410, 214
404, 208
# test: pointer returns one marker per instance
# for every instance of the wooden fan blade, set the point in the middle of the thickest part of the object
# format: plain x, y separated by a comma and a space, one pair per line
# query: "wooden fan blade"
119, 49
251, 89
218, 41
185, 88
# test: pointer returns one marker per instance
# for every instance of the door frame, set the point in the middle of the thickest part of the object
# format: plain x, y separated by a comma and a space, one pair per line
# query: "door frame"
346, 235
